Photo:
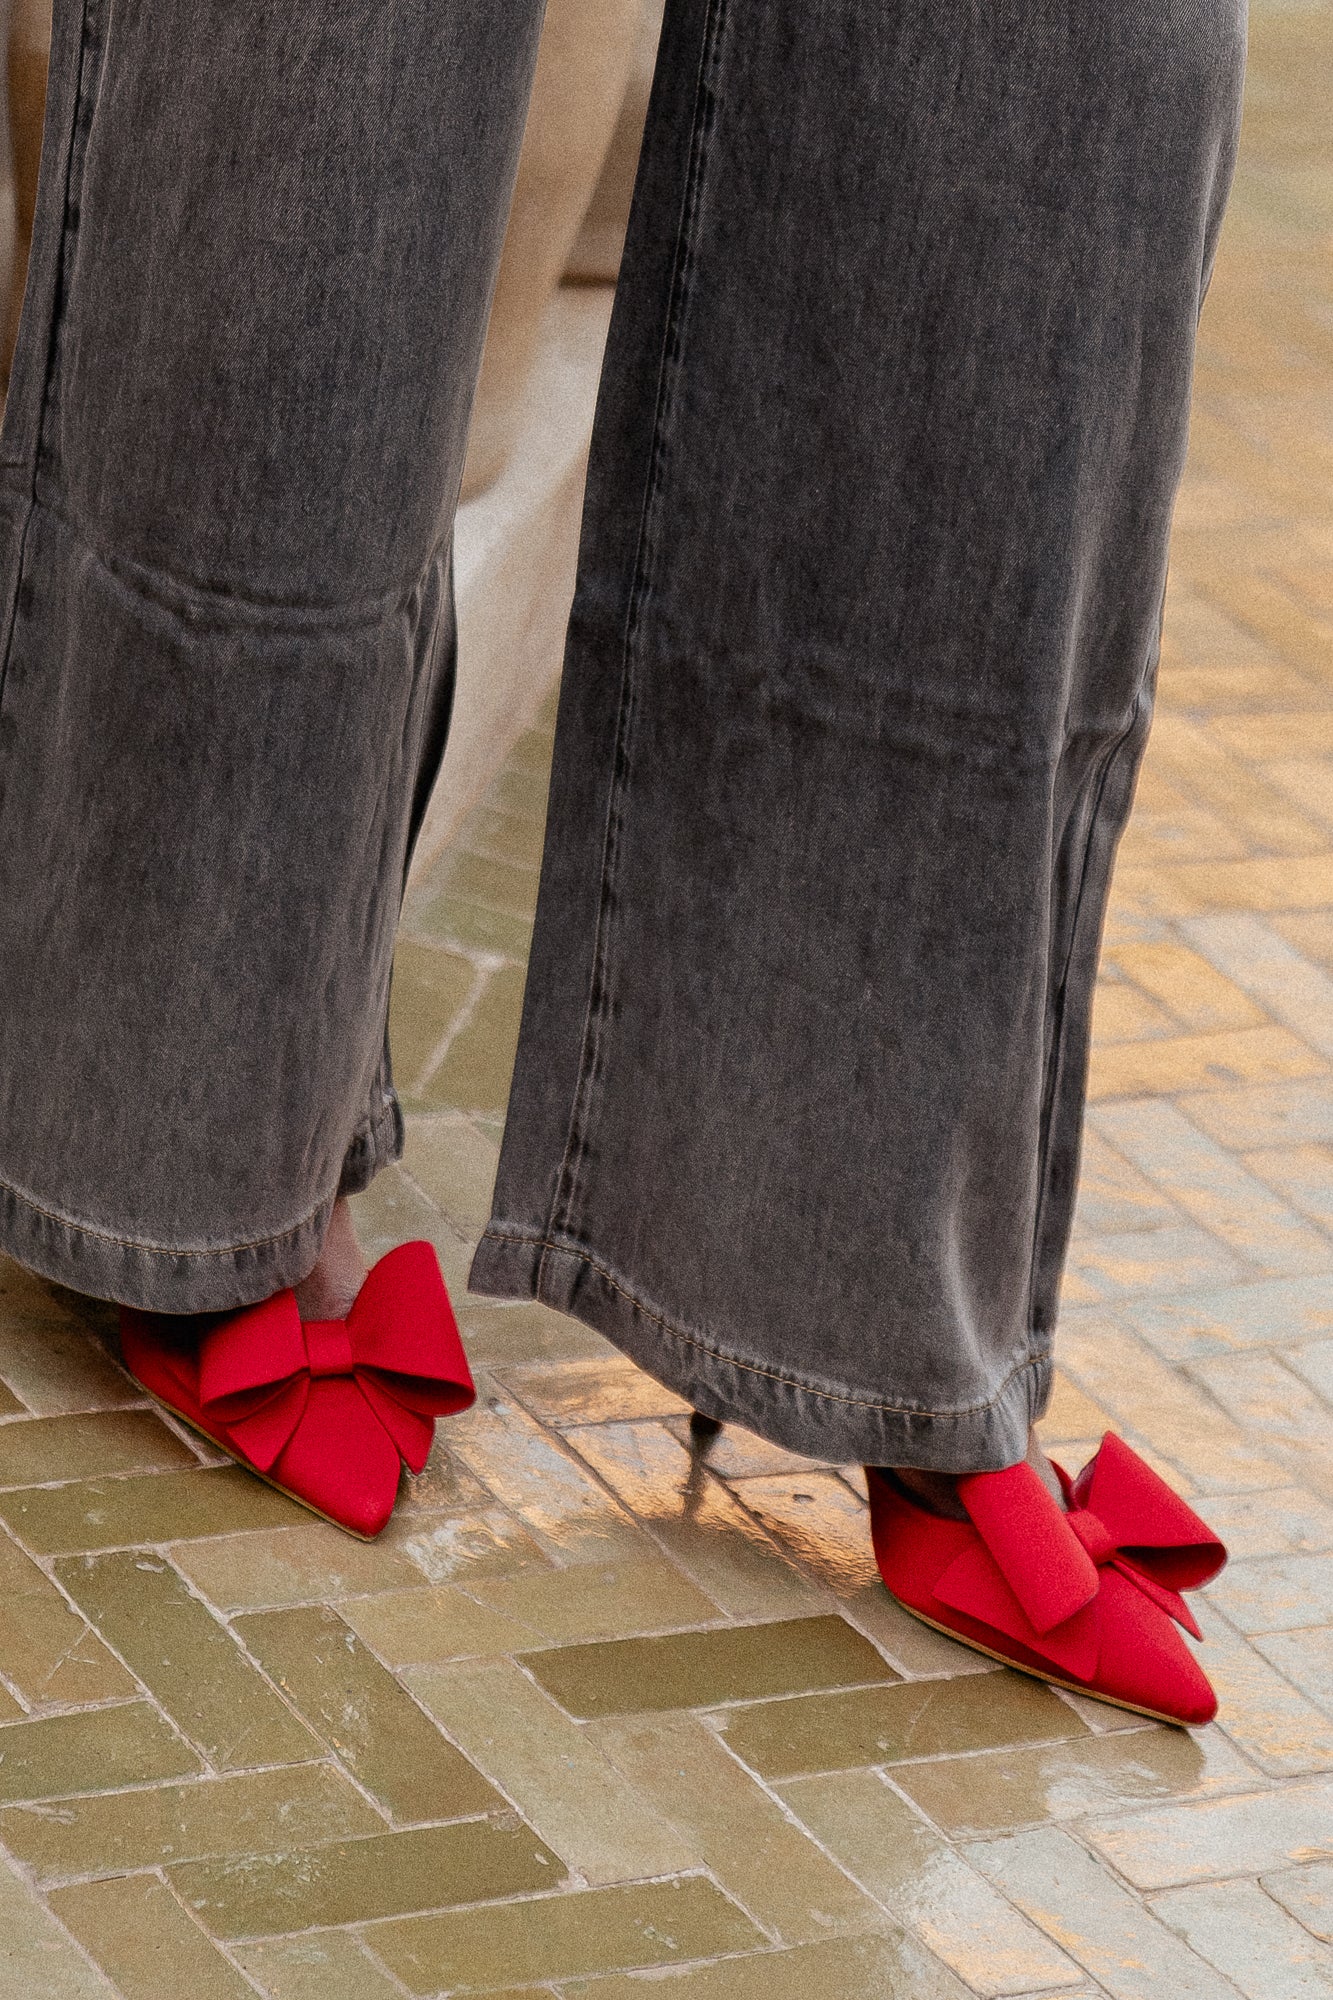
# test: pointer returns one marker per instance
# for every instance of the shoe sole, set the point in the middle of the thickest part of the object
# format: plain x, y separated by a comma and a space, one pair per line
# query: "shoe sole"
254, 1471
1035, 1673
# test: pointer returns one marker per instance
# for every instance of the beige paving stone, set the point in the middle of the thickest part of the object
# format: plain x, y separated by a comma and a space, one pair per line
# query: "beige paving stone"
1114, 1198
738, 1663
563, 1937
424, 1627
1209, 774
1183, 1423
825, 1527
10, 1406
155, 1825
926, 1884
431, 988
1272, 1313
592, 1392
95, 1514
702, 1526
1201, 998
1218, 1838
280, 1566
1274, 1403
1225, 1057
357, 1705
1273, 1723
1211, 1184
1122, 1014
1302, 1175
565, 1510
1128, 1950
1279, 1594
453, 1161
330, 1966
601, 1826
485, 1542
470, 927
1311, 932
1292, 990
1307, 1893
187, 1659
1287, 1522
889, 1968
998, 1791
47, 1652
81, 1447
1112, 1268
501, 1332
358, 1881
443, 1486
1281, 1114
58, 1370
146, 1943
38, 1960
599, 1600
1196, 888
92, 1750
1247, 1937
1305, 1658
745, 1838
885, 1725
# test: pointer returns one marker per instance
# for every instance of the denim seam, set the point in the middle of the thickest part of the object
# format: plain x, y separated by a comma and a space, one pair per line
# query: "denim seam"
548, 1247
598, 1007
159, 1249
74, 151
1062, 994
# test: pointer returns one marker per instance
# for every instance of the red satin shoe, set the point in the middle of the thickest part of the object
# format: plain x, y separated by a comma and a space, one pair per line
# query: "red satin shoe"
1084, 1598
327, 1410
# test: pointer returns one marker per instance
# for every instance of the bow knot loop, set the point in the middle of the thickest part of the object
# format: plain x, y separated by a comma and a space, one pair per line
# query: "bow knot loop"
329, 1347
1093, 1533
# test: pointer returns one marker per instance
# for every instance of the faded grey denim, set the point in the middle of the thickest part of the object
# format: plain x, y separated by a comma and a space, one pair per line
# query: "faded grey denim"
859, 669
859, 673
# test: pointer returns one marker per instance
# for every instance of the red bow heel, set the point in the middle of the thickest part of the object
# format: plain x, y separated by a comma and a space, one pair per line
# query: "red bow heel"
328, 1410
1088, 1598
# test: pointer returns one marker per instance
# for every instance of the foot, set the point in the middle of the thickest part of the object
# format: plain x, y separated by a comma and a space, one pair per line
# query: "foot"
330, 1290
938, 1491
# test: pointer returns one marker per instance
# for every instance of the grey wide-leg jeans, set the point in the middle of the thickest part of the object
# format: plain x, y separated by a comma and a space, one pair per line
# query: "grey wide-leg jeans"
859, 669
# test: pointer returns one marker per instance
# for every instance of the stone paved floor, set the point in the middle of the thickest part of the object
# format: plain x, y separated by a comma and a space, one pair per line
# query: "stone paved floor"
583, 1711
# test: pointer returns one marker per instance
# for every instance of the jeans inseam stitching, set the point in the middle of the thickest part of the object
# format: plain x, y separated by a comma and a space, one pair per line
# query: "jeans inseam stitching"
88, 75
548, 1248
160, 1249
1062, 991
597, 1011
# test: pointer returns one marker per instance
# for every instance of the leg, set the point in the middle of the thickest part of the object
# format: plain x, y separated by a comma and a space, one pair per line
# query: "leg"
859, 672
264, 248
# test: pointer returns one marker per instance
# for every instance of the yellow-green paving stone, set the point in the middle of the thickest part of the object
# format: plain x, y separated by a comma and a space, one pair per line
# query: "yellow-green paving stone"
187, 1659
132, 1512
430, 989
553, 1773
368, 1717
46, 1650
560, 1937
1017, 1786
145, 1942
38, 1960
357, 1881
700, 1669
93, 1750
429, 1627
916, 1874
9, 1403
599, 1600
85, 1446
255, 1812
330, 1966
281, 1566
475, 1070
744, 1837
893, 1967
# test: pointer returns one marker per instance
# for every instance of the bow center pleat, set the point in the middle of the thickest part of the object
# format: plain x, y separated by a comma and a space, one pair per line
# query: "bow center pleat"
1093, 1533
328, 1347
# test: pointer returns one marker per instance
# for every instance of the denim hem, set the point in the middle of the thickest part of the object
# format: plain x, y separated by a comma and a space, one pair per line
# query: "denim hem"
156, 1277
820, 1424
376, 1144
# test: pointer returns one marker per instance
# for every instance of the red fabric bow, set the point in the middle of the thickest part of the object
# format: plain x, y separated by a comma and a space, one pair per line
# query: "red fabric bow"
1034, 1575
332, 1389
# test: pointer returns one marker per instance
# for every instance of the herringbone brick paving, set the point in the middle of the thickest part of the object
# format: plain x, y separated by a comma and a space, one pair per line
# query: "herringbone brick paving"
591, 1708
